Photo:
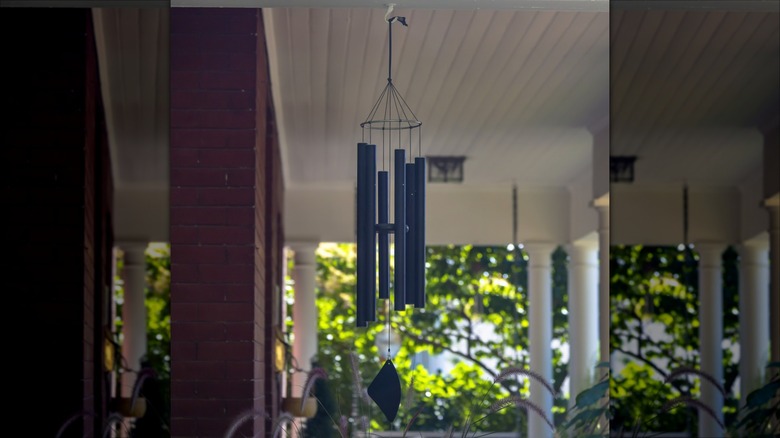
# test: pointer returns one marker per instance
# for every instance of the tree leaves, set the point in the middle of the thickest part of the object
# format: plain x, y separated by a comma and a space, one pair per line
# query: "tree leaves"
456, 276
655, 290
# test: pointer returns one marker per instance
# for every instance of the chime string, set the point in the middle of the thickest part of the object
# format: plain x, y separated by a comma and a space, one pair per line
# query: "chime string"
410, 143
387, 311
411, 146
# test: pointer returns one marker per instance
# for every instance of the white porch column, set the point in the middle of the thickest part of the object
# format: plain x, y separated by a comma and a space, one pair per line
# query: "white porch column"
773, 205
583, 306
133, 312
602, 206
753, 316
304, 275
540, 332
711, 332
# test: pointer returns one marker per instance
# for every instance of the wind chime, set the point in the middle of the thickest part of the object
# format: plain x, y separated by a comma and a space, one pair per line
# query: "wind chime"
398, 128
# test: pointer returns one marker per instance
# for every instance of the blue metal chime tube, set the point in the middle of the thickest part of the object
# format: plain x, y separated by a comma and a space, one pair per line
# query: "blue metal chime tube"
362, 244
419, 231
399, 285
411, 247
384, 236
371, 232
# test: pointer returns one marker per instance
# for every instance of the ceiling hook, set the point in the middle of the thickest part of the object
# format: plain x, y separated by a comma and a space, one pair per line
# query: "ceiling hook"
390, 7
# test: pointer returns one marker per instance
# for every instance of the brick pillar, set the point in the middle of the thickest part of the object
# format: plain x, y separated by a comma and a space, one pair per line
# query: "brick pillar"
50, 190
219, 221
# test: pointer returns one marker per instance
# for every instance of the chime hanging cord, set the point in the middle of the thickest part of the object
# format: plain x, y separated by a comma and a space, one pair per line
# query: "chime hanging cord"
686, 245
390, 139
685, 214
387, 306
419, 141
516, 249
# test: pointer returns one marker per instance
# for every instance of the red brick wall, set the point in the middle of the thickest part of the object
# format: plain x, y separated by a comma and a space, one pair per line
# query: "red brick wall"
219, 220
50, 137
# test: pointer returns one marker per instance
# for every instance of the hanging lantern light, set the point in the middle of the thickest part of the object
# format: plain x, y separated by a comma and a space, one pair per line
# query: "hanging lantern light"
392, 125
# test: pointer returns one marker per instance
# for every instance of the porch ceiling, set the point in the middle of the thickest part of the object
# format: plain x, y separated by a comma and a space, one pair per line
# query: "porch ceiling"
515, 90
691, 90
512, 90
133, 58
133, 55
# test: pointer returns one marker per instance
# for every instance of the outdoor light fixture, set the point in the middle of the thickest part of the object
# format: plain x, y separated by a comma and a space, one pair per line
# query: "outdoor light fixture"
445, 169
397, 129
621, 168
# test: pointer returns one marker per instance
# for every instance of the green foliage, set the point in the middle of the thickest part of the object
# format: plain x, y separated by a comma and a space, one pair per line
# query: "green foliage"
158, 313
158, 318
761, 414
158, 309
470, 290
589, 415
659, 285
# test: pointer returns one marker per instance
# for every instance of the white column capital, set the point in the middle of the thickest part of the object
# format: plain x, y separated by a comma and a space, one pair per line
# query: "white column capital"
539, 253
710, 253
772, 202
305, 252
601, 203
134, 251
583, 253
584, 245
754, 252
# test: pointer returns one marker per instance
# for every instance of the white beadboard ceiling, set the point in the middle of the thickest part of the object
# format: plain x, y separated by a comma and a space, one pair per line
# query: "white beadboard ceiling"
133, 57
512, 90
690, 90
515, 90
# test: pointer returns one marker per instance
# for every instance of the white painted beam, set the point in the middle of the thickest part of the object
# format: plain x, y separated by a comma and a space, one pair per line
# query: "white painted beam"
141, 214
455, 215
653, 215
583, 218
753, 219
